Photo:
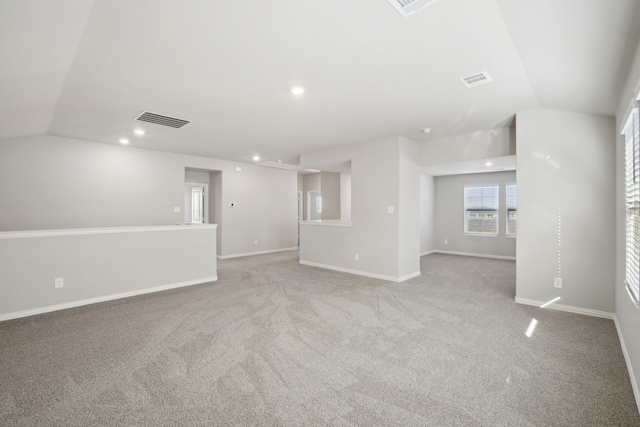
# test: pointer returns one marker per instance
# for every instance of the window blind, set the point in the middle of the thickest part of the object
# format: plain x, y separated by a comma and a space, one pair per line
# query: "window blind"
512, 211
632, 205
481, 210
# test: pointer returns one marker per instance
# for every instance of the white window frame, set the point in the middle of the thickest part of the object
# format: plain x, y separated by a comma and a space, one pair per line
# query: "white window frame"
631, 134
495, 211
507, 230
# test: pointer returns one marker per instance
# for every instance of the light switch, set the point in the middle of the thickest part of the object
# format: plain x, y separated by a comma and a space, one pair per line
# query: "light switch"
390, 209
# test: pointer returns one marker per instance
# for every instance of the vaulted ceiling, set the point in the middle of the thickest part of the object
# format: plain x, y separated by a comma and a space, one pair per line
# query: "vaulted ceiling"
86, 69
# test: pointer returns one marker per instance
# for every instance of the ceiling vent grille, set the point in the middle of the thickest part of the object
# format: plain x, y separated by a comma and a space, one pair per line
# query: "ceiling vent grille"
409, 7
476, 79
162, 120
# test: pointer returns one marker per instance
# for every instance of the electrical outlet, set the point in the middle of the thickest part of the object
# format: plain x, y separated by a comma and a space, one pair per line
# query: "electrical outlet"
255, 242
446, 242
58, 282
557, 282
356, 257
176, 209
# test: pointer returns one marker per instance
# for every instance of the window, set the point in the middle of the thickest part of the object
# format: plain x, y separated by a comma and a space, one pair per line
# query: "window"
481, 211
512, 211
632, 205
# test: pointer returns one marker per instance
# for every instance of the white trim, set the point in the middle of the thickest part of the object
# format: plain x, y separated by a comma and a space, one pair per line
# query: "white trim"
510, 258
567, 308
361, 273
272, 251
627, 359
409, 276
326, 223
428, 253
106, 230
78, 303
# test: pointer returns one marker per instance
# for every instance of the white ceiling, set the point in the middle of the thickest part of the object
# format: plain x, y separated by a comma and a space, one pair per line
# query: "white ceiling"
86, 69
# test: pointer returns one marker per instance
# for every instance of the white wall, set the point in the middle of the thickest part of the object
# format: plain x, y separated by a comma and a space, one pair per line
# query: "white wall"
627, 315
564, 166
449, 216
69, 183
427, 214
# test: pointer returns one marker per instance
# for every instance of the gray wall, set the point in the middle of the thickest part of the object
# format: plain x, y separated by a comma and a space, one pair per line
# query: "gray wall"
310, 182
69, 183
565, 163
449, 216
330, 188
375, 235
478, 145
427, 214
345, 195
100, 265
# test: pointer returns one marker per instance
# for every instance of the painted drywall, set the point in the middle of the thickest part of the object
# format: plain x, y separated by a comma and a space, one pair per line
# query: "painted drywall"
345, 195
196, 176
330, 190
566, 194
449, 216
215, 205
408, 209
482, 144
310, 182
375, 234
627, 315
100, 264
70, 183
427, 214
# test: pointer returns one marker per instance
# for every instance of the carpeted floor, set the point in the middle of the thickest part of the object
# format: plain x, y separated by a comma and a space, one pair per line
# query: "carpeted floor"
276, 343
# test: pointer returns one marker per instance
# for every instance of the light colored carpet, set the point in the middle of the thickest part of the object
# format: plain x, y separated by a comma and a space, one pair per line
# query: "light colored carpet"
276, 343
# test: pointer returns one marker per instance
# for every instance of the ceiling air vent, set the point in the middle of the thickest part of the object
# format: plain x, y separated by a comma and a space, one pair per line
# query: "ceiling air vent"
162, 120
409, 7
476, 79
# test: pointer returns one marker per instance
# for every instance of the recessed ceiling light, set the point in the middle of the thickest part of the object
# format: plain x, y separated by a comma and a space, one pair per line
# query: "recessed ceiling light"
124, 141
297, 90
488, 164
256, 158
139, 132
426, 130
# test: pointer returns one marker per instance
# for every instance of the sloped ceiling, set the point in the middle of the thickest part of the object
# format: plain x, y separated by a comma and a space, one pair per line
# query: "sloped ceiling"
86, 69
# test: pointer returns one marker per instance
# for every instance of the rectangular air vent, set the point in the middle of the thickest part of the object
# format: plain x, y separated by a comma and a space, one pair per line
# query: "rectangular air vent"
409, 7
476, 79
162, 120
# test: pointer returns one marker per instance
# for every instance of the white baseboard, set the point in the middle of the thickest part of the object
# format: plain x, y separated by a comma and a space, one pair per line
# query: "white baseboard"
627, 359
568, 308
272, 251
361, 273
78, 303
428, 253
510, 258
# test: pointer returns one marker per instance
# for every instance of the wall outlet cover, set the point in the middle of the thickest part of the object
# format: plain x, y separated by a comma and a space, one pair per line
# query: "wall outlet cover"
557, 282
